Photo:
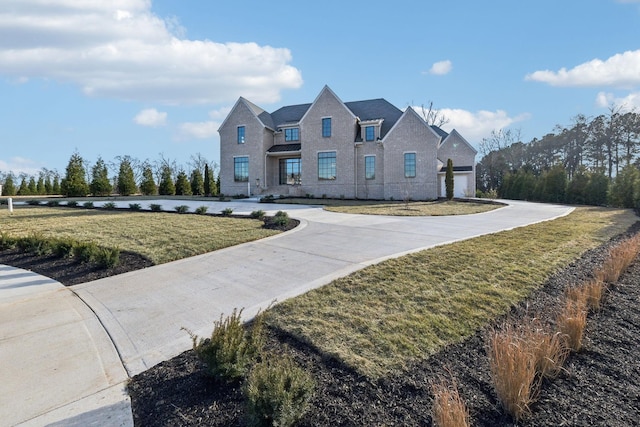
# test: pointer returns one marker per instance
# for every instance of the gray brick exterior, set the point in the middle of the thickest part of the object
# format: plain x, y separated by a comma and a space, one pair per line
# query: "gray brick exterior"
396, 133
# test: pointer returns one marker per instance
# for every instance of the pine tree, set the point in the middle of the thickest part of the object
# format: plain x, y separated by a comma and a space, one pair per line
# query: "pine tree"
183, 188
207, 181
40, 186
448, 179
166, 186
33, 187
197, 183
217, 190
100, 183
48, 189
126, 180
147, 184
9, 188
74, 184
23, 190
55, 187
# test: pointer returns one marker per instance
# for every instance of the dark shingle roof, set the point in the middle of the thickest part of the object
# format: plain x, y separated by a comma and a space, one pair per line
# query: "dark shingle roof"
376, 109
279, 148
439, 131
289, 114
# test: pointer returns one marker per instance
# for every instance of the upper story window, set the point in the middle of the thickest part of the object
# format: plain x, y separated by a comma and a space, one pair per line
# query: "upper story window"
409, 165
240, 134
292, 134
326, 127
370, 133
327, 165
241, 169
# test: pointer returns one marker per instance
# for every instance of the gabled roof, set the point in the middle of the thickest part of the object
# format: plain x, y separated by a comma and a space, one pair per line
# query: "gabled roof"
373, 109
455, 134
289, 114
439, 131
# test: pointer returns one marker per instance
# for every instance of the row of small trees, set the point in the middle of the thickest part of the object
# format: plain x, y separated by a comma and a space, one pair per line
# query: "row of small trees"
132, 177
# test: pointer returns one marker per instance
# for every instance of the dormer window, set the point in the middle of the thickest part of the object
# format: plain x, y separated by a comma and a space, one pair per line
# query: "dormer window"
292, 134
370, 129
370, 133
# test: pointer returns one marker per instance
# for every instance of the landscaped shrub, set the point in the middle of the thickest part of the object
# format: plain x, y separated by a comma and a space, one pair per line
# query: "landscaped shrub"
201, 210
109, 206
135, 206
278, 392
33, 202
227, 211
85, 252
231, 349
281, 218
267, 199
182, 209
572, 321
72, 204
108, 257
449, 410
6, 241
34, 242
53, 203
63, 248
88, 205
548, 348
155, 207
513, 370
259, 214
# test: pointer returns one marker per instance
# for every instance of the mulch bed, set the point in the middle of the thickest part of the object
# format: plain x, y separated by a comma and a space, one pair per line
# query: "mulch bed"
599, 387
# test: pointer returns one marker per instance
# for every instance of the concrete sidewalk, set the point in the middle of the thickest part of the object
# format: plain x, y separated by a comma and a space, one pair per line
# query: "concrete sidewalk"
143, 311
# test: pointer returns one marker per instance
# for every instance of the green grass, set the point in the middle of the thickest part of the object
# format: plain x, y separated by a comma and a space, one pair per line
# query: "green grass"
386, 316
396, 208
162, 237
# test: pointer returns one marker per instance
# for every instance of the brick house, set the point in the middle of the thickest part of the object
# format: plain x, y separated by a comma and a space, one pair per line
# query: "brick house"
364, 149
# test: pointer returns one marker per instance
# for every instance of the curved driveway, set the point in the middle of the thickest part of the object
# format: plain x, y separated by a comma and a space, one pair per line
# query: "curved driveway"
143, 312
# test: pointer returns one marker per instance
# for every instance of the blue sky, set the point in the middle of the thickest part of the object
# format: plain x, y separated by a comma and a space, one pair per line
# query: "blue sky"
148, 78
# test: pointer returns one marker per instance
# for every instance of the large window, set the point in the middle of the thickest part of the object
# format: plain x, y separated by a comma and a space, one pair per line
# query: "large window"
326, 127
327, 165
409, 165
240, 134
370, 167
292, 134
370, 133
289, 171
241, 169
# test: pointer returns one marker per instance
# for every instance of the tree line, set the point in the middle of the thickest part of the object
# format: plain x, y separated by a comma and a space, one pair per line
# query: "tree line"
124, 176
591, 161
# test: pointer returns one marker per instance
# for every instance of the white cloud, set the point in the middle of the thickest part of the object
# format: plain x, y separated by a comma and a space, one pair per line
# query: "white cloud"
151, 117
198, 130
620, 70
120, 49
629, 102
19, 165
474, 126
441, 68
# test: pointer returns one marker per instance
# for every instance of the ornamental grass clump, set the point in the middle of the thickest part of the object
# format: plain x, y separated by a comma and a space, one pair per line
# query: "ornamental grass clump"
278, 392
449, 410
572, 320
201, 210
549, 349
232, 348
513, 370
619, 259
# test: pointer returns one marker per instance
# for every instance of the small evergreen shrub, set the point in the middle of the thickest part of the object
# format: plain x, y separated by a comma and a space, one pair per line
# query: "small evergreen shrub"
88, 205
281, 218
109, 206
108, 257
53, 203
33, 202
72, 204
35, 243
267, 199
201, 210
227, 211
182, 209
259, 214
85, 252
63, 248
6, 241
135, 206
155, 207
231, 349
278, 392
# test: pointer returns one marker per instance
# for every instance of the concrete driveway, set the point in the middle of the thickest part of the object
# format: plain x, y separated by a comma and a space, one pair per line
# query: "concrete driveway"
143, 312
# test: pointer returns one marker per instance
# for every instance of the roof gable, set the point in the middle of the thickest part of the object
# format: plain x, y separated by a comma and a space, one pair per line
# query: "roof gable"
261, 115
327, 90
456, 135
411, 112
376, 109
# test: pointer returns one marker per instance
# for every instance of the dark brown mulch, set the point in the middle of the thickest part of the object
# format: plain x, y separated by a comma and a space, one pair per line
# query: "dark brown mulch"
600, 387
68, 271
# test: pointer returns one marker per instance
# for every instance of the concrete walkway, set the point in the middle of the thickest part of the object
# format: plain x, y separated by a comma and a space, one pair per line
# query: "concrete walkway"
143, 312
